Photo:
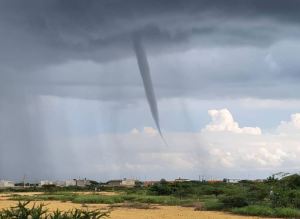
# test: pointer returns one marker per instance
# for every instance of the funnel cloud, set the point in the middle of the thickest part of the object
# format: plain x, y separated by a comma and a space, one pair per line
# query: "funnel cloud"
147, 81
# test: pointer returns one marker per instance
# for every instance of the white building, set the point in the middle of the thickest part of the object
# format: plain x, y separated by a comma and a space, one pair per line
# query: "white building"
128, 182
83, 182
46, 182
6, 184
233, 180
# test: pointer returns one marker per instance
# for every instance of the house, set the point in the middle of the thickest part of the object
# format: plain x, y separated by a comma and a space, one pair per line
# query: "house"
6, 184
121, 183
128, 182
82, 182
114, 183
71, 182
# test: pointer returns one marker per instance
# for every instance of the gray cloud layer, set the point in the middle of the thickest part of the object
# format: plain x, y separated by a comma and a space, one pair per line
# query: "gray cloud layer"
36, 35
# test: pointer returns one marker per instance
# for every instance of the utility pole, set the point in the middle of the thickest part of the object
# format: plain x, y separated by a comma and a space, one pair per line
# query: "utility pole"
24, 177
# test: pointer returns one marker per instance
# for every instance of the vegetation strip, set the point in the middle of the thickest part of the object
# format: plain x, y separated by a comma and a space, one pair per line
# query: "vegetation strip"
268, 198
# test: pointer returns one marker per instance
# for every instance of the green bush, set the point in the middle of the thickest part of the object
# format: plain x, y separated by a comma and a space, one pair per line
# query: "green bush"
254, 210
292, 181
287, 212
93, 199
214, 191
213, 205
256, 193
259, 210
59, 196
234, 201
161, 188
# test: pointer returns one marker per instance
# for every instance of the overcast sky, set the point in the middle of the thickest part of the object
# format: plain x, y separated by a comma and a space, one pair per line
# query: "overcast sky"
225, 73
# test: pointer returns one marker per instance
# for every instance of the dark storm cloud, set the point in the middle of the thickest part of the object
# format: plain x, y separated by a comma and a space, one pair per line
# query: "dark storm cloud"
41, 32
37, 34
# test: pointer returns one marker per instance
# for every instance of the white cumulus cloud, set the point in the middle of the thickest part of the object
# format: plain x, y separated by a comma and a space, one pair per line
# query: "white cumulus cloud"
222, 120
292, 126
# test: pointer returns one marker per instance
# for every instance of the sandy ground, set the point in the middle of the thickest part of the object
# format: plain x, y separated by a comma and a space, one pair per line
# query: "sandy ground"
160, 212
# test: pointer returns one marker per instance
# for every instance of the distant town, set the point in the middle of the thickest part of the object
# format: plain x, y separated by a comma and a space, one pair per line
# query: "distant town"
111, 183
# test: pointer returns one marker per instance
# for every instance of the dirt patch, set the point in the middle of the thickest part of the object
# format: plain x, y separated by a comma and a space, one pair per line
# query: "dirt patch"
171, 212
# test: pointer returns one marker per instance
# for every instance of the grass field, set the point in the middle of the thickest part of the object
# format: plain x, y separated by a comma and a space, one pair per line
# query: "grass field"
102, 199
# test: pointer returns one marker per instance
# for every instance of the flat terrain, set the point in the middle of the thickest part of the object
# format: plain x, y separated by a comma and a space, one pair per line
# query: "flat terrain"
157, 212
